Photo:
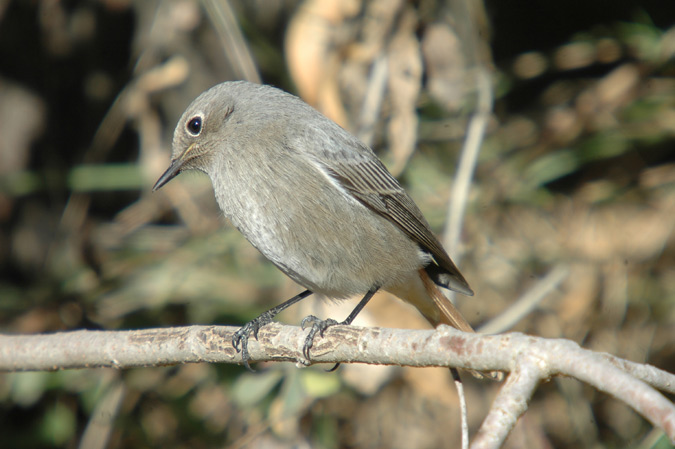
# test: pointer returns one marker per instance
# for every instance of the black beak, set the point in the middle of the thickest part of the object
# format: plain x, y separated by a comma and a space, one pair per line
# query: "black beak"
169, 174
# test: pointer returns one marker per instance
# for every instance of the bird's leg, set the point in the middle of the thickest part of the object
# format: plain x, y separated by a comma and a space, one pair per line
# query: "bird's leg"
242, 335
319, 326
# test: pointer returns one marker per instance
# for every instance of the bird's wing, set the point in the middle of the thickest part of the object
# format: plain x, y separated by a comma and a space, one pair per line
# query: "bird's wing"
370, 182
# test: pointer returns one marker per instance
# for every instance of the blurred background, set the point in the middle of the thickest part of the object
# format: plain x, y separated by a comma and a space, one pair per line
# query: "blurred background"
576, 177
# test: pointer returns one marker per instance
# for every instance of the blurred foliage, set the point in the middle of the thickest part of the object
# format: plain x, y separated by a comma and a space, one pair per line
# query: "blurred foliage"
577, 169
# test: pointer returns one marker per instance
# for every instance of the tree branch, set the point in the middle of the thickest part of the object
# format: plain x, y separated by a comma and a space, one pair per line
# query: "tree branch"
528, 360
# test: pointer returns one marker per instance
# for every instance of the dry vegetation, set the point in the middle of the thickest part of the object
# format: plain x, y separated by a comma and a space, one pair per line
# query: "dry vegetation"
576, 172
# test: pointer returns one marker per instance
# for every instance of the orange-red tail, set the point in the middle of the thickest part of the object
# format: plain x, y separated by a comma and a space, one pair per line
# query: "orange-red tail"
451, 316
448, 312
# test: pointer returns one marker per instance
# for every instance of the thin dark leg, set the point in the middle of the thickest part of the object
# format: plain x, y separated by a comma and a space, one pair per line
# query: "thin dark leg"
244, 332
319, 326
359, 307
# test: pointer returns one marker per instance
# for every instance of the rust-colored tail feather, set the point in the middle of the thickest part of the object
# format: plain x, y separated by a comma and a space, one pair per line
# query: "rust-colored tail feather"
448, 312
451, 316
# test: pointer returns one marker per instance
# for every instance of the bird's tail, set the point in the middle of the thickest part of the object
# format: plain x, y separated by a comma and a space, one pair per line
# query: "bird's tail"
448, 313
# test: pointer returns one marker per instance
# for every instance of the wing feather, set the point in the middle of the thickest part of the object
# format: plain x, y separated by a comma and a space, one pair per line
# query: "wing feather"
371, 183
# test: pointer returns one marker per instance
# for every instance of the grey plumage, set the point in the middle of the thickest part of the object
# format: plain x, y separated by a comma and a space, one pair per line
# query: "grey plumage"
312, 198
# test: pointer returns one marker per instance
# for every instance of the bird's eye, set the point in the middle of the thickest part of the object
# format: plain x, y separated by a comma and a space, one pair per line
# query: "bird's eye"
194, 126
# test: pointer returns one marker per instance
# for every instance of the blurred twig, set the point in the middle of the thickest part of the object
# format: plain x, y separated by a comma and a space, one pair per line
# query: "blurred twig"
372, 103
232, 40
519, 309
467, 164
101, 422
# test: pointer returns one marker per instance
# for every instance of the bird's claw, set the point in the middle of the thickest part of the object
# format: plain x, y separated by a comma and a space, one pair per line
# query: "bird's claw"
318, 326
241, 336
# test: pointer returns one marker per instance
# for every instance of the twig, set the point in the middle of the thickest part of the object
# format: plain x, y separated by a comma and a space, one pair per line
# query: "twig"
528, 359
101, 422
372, 103
467, 164
519, 309
509, 405
233, 42
463, 411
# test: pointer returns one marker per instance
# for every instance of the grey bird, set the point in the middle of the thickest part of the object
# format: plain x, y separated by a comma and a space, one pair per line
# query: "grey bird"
315, 201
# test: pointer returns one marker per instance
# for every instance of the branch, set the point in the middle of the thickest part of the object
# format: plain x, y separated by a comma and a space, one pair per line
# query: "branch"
528, 359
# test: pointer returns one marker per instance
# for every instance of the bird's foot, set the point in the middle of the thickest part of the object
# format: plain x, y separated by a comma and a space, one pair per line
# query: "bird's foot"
241, 336
319, 326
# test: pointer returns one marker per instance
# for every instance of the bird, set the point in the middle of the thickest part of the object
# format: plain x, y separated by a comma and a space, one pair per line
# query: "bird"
316, 202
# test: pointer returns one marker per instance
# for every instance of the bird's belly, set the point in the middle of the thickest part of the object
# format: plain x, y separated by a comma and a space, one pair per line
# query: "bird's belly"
341, 251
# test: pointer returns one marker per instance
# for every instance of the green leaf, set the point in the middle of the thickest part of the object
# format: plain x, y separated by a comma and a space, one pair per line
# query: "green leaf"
58, 425
319, 384
251, 388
